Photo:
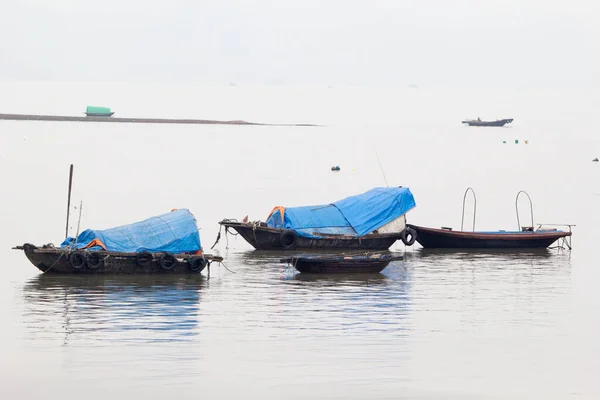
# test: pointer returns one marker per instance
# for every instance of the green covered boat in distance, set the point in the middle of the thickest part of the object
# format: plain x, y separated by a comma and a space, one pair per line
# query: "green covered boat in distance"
94, 111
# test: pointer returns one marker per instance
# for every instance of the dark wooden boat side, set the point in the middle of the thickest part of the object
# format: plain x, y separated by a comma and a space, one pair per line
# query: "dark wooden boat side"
356, 264
50, 259
443, 238
267, 238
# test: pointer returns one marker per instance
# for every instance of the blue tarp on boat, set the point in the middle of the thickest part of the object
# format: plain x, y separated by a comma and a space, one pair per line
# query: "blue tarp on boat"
174, 232
354, 215
310, 219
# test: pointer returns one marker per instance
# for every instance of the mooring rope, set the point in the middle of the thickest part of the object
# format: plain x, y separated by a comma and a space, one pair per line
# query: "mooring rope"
224, 266
218, 238
62, 253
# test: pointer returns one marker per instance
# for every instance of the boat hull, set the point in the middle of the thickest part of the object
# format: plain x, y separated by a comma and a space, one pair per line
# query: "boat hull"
99, 114
446, 239
267, 238
57, 261
500, 122
344, 265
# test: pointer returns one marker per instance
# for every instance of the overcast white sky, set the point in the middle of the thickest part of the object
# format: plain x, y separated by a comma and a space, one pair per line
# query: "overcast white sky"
430, 43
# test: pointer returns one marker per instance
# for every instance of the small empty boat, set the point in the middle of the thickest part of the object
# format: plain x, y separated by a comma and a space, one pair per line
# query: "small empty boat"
363, 263
525, 238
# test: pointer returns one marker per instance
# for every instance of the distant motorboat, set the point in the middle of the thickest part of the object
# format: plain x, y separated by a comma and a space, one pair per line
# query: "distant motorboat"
94, 111
478, 122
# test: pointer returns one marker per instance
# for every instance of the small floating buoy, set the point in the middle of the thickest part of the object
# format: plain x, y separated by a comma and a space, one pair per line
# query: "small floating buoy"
527, 142
516, 141
504, 141
335, 168
595, 159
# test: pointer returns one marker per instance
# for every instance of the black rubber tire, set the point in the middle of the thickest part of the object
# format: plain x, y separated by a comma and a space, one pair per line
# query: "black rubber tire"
143, 259
197, 264
94, 260
77, 260
287, 239
167, 261
408, 236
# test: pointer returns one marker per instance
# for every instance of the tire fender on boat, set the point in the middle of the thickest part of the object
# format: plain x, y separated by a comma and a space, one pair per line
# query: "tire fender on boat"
287, 239
197, 264
94, 260
408, 236
77, 260
167, 261
143, 259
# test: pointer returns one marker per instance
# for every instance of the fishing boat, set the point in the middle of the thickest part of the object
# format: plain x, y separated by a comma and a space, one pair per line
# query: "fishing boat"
167, 243
95, 111
478, 122
363, 263
373, 220
525, 238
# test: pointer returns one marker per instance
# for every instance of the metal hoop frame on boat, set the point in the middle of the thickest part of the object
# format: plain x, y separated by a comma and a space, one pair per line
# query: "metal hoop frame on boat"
474, 208
517, 208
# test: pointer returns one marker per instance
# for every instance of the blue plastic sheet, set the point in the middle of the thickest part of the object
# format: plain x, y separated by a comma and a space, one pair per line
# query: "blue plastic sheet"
375, 208
174, 232
355, 215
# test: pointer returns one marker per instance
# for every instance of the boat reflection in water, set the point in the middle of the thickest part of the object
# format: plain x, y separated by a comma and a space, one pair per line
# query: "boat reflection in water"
129, 308
486, 253
315, 305
510, 263
490, 256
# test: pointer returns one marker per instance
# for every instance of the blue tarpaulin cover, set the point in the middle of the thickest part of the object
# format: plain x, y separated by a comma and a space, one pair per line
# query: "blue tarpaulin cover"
354, 215
174, 232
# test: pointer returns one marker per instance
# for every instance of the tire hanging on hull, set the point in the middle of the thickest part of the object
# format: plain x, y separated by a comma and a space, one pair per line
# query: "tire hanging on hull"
408, 236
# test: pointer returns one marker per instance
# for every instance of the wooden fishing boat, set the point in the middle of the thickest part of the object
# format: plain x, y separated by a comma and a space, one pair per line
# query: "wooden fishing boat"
478, 122
364, 263
263, 237
373, 220
167, 243
56, 260
525, 239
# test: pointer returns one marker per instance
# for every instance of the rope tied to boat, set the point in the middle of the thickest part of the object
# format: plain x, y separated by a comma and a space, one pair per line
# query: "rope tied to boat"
227, 231
224, 266
254, 226
62, 253
218, 238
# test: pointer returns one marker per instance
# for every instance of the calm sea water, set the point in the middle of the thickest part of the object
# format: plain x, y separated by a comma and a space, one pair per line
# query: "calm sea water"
438, 325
